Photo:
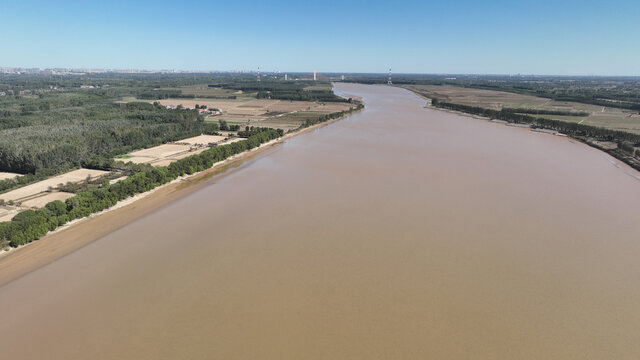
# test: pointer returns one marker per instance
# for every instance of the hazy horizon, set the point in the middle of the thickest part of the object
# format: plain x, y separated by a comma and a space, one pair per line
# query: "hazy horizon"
572, 38
310, 72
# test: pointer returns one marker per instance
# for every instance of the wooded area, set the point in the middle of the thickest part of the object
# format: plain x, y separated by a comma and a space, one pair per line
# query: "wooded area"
284, 90
51, 122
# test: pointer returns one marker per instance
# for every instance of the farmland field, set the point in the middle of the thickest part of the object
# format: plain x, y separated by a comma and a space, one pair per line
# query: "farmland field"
42, 186
165, 150
163, 155
201, 140
43, 200
290, 120
8, 212
6, 175
262, 112
37, 195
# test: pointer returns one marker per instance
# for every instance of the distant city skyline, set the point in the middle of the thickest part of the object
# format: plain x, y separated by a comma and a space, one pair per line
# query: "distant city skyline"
456, 37
59, 71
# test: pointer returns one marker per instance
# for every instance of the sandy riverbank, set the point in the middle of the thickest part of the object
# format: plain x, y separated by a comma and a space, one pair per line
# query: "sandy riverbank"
78, 233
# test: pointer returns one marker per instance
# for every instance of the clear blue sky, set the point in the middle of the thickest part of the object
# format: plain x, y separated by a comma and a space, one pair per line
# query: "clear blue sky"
496, 37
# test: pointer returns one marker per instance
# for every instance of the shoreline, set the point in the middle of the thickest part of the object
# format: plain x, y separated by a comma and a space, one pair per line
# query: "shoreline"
478, 117
17, 262
547, 131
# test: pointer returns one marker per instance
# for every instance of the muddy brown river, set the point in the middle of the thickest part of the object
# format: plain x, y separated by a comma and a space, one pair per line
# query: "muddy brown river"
400, 232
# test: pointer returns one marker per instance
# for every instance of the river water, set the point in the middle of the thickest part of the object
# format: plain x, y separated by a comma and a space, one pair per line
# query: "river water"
400, 232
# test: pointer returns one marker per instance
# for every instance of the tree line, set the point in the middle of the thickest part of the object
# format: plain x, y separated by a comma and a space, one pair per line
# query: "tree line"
568, 128
625, 140
545, 112
19, 181
327, 117
283, 90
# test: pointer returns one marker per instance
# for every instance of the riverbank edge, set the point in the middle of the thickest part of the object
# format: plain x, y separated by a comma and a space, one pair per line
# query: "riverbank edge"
17, 262
618, 155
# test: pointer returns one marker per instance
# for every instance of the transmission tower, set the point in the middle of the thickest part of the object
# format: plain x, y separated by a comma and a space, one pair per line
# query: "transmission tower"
389, 80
